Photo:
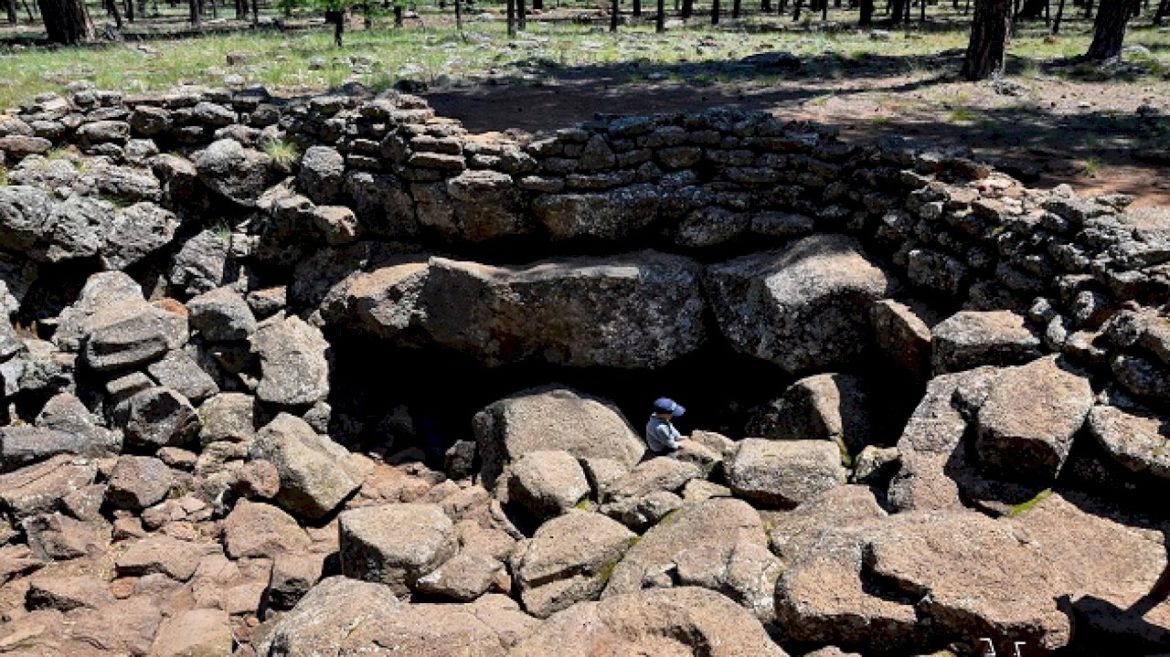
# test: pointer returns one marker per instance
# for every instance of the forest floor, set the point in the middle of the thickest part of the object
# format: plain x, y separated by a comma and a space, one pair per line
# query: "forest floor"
1049, 120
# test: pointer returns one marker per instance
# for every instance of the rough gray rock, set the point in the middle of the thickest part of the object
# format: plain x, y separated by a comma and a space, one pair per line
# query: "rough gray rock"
131, 333
159, 417
718, 543
464, 577
294, 362
229, 416
23, 445
802, 307
395, 544
546, 483
903, 336
103, 132
792, 534
553, 418
221, 315
322, 174
42, 487
52, 231
784, 473
201, 264
610, 215
316, 474
237, 173
476, 205
831, 407
137, 232
568, 560
160, 554
1026, 426
100, 292
683, 621
972, 338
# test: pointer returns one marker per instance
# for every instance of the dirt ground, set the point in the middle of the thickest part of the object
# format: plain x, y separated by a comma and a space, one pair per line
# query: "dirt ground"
1098, 136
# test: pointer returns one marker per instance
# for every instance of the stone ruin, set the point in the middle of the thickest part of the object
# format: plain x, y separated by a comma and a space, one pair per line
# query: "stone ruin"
332, 376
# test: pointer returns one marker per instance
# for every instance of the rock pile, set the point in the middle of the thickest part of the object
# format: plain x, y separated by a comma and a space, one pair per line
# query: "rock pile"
183, 470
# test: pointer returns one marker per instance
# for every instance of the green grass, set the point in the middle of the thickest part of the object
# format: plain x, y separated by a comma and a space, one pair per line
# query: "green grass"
1023, 507
284, 154
1092, 167
961, 114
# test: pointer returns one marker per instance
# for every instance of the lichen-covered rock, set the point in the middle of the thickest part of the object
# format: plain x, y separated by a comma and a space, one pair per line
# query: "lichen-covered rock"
802, 307
395, 544
568, 560
316, 474
1138, 441
201, 263
237, 173
294, 362
972, 338
609, 215
131, 333
784, 473
553, 418
1026, 426
546, 483
48, 230
322, 174
221, 315
181, 373
137, 232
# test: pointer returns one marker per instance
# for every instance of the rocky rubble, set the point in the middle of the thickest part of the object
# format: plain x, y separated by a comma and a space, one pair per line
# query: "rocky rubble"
275, 408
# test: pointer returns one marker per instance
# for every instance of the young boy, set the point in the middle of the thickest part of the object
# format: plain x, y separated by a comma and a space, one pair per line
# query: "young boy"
661, 436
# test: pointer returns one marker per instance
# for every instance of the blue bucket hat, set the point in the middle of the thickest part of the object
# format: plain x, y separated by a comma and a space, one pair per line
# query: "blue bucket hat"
668, 405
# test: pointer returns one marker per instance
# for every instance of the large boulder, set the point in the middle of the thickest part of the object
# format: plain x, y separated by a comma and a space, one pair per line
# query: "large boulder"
261, 530
395, 544
316, 474
568, 560
971, 338
237, 173
194, 633
294, 362
476, 205
322, 174
682, 621
546, 483
717, 543
553, 418
820, 407
902, 332
325, 618
1026, 425
136, 232
640, 310
784, 473
47, 230
792, 533
137, 482
803, 307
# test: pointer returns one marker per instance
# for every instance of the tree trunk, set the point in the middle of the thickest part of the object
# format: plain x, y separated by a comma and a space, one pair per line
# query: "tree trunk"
637, 8
538, 5
615, 8
255, 12
660, 19
736, 8
796, 11
398, 15
897, 9
688, 8
1162, 13
521, 16
714, 12
866, 13
112, 9
10, 9
196, 13
766, 6
921, 11
241, 9
66, 21
989, 33
1109, 30
1088, 9
459, 15
1059, 15
511, 17
824, 10
337, 18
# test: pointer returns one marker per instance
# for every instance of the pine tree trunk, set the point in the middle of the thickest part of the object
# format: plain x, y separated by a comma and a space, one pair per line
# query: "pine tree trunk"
989, 33
112, 9
897, 9
1162, 13
637, 8
459, 15
196, 13
736, 8
824, 10
922, 11
1109, 30
10, 9
796, 11
521, 16
660, 19
130, 11
255, 12
511, 17
1059, 16
766, 6
688, 8
714, 12
538, 5
866, 13
613, 16
66, 21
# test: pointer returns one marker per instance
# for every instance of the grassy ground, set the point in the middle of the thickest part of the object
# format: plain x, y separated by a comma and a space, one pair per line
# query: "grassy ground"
432, 51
